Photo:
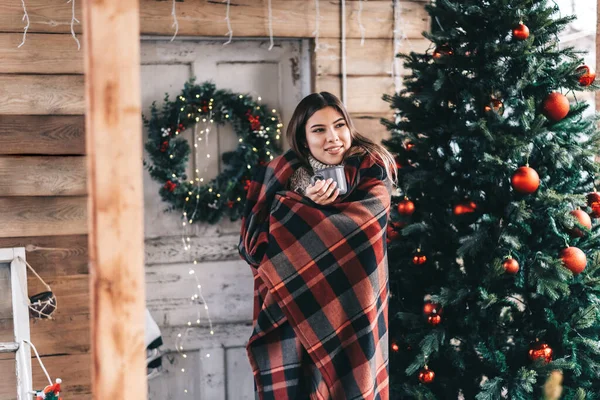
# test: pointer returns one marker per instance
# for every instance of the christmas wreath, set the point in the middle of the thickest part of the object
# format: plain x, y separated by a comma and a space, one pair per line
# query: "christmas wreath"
257, 126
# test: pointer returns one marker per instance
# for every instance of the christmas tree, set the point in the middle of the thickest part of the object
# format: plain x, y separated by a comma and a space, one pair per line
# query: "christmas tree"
494, 267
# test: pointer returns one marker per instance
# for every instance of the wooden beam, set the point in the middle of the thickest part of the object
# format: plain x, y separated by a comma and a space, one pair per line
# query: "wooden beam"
115, 202
291, 18
42, 176
364, 92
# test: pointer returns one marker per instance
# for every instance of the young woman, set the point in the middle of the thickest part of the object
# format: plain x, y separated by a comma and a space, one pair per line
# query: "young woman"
319, 262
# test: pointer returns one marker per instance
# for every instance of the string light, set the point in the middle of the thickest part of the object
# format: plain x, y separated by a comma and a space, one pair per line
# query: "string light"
25, 18
73, 20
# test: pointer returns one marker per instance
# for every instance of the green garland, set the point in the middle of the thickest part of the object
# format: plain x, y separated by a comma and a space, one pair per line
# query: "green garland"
257, 126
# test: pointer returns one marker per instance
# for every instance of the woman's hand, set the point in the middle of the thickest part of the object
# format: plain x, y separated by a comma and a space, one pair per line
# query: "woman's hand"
323, 192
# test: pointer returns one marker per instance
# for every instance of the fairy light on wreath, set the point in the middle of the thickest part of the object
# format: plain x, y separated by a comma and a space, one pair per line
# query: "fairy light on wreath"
203, 106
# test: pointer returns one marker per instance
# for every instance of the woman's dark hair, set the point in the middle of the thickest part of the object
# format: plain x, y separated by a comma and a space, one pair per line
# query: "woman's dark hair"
296, 132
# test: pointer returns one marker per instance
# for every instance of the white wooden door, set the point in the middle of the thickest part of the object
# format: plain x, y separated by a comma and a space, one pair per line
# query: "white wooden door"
215, 366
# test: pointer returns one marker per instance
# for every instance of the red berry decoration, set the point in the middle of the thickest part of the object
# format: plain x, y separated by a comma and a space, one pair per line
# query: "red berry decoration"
426, 375
593, 200
511, 266
391, 234
540, 351
584, 219
574, 259
588, 75
555, 106
419, 258
525, 180
465, 207
395, 346
495, 105
406, 207
441, 53
170, 186
521, 32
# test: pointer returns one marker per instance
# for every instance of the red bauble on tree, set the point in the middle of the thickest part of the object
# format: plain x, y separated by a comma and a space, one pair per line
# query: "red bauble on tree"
593, 200
466, 207
511, 266
426, 375
430, 308
521, 31
406, 207
574, 259
395, 346
587, 75
584, 219
495, 105
540, 351
170, 186
525, 180
434, 319
555, 106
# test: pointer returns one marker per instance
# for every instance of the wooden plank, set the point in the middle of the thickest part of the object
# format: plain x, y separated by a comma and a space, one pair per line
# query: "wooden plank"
169, 249
226, 287
41, 95
42, 134
180, 378
42, 54
374, 58
66, 334
42, 176
116, 206
239, 375
53, 255
73, 369
369, 125
42, 216
364, 92
290, 18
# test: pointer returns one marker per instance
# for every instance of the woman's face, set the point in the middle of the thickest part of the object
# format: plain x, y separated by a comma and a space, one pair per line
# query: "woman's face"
328, 136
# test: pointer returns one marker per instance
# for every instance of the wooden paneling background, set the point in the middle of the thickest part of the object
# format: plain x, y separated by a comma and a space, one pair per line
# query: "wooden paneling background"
42, 150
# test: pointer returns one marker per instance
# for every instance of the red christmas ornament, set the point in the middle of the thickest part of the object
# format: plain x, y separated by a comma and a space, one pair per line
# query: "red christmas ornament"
406, 207
584, 219
230, 203
511, 266
465, 207
525, 180
247, 184
431, 308
593, 200
495, 105
164, 146
442, 52
540, 351
521, 32
434, 319
170, 186
574, 259
426, 375
395, 346
588, 75
409, 145
555, 106
181, 127
419, 258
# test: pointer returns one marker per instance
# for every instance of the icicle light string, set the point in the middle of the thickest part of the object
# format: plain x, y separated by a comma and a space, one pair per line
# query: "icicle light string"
73, 20
230, 31
25, 18
175, 22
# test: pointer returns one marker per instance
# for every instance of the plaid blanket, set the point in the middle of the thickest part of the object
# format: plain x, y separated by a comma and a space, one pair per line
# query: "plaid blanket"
321, 285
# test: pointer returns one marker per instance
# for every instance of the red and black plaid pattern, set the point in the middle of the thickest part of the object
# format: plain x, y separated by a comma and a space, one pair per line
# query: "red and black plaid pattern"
321, 285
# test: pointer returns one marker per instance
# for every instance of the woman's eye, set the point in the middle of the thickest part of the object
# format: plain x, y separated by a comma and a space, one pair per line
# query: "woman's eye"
340, 125
318, 130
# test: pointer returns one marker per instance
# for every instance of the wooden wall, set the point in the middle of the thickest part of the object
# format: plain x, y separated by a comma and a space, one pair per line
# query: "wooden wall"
42, 149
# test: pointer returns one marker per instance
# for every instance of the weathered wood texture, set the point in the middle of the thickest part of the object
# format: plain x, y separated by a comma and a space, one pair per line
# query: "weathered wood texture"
42, 134
291, 18
42, 176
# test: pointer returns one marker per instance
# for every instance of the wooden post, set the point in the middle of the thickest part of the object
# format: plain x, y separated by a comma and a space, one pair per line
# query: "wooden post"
114, 152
